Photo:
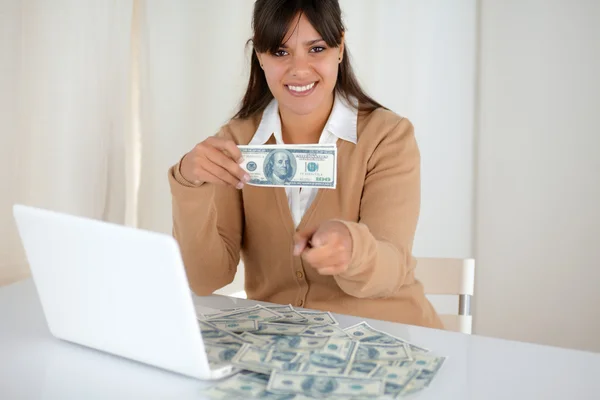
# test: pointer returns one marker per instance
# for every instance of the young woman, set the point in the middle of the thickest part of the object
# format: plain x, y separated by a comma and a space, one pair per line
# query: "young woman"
302, 90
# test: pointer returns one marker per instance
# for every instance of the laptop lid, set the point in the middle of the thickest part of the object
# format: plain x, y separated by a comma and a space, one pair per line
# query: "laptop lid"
113, 288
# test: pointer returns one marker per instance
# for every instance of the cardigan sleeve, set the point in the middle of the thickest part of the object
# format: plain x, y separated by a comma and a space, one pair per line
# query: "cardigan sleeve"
207, 224
383, 236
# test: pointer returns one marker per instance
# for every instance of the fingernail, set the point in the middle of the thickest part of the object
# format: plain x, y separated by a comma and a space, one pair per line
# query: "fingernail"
240, 185
247, 178
241, 160
297, 249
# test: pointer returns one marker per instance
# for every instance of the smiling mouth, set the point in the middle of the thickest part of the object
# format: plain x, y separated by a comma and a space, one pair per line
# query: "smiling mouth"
301, 90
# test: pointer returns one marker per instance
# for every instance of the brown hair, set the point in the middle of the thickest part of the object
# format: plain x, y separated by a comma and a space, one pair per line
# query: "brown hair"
270, 22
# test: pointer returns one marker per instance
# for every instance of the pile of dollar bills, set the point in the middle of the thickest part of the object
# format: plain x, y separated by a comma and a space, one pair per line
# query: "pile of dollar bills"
283, 353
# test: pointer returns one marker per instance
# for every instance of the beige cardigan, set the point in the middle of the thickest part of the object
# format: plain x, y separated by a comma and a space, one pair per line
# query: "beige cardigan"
377, 197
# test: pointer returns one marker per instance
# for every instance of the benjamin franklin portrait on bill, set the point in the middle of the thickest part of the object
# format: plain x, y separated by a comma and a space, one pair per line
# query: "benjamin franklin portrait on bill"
280, 167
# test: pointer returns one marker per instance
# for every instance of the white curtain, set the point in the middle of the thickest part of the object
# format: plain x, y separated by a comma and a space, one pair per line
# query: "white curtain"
99, 98
193, 73
65, 120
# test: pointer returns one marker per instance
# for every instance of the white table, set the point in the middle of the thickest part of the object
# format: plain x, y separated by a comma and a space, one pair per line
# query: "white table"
34, 365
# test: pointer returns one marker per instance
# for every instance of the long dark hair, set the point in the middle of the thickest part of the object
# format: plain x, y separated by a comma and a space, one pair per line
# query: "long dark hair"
270, 22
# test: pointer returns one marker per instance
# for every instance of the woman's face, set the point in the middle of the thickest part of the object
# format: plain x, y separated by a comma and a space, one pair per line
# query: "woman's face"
302, 74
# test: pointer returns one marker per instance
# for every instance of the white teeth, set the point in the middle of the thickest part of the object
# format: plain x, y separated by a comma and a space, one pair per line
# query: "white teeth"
301, 88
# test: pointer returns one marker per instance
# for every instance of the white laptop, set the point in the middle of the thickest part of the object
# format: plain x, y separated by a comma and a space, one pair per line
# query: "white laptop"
116, 289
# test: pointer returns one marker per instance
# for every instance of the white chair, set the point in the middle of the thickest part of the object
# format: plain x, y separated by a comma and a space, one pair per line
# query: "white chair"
450, 276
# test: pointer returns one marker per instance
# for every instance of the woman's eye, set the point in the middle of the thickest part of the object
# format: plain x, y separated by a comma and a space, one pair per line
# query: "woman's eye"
317, 49
280, 53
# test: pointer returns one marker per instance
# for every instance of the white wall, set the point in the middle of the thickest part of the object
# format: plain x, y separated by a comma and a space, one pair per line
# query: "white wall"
418, 58
538, 173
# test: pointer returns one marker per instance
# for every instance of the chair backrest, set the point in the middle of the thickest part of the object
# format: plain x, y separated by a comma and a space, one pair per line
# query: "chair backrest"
450, 276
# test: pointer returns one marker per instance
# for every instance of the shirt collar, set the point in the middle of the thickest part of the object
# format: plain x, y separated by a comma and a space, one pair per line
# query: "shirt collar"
340, 125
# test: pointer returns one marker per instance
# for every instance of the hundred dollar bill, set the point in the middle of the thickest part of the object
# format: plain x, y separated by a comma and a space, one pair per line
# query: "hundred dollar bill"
422, 361
290, 315
364, 369
247, 385
258, 313
273, 328
252, 359
226, 310
221, 353
425, 368
255, 340
326, 330
235, 325
421, 380
396, 378
243, 385
334, 359
264, 361
212, 334
319, 386
269, 339
291, 165
318, 317
300, 343
365, 333
377, 352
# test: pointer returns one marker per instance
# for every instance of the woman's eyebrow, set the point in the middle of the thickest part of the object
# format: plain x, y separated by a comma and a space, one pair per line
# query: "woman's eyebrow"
307, 43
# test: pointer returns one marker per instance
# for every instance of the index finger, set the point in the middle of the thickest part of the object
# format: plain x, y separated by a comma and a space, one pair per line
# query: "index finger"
231, 148
302, 240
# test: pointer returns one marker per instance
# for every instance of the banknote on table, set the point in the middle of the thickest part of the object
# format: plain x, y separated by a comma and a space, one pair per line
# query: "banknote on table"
258, 313
275, 328
255, 340
212, 334
365, 333
334, 359
236, 325
364, 369
218, 354
252, 358
383, 352
426, 367
319, 386
318, 317
291, 165
300, 342
264, 361
246, 385
421, 381
422, 361
290, 315
396, 378
326, 330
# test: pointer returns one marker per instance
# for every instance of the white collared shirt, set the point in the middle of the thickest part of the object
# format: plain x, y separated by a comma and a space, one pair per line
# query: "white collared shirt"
340, 125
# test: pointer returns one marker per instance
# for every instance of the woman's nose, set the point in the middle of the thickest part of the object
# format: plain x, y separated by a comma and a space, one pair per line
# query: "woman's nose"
300, 65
